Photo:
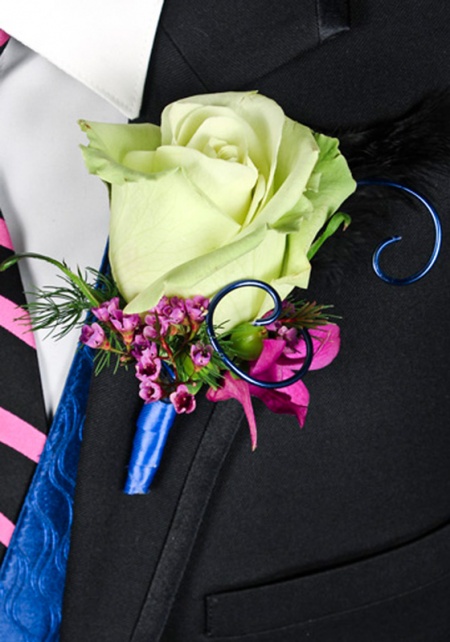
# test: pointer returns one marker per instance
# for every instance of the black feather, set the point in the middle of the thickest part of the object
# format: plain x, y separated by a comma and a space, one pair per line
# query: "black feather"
409, 150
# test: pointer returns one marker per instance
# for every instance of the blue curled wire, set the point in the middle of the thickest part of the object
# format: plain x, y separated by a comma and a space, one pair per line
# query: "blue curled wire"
394, 239
259, 322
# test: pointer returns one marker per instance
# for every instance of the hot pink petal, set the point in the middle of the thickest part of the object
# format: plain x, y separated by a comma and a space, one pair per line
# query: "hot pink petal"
326, 344
276, 363
291, 400
280, 402
270, 354
237, 389
269, 366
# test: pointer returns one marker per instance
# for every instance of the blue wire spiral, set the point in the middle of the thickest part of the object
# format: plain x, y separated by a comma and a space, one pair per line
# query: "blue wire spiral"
259, 322
437, 240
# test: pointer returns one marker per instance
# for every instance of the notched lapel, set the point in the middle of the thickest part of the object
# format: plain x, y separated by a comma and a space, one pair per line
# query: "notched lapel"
231, 44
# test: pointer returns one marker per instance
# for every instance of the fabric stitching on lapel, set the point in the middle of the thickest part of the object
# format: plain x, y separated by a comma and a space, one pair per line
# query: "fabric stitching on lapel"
181, 537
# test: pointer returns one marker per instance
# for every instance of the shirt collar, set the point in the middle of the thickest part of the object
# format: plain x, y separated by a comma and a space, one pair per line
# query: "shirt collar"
107, 50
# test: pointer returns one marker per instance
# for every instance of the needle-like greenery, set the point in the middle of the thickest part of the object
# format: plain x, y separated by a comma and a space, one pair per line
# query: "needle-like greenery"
62, 308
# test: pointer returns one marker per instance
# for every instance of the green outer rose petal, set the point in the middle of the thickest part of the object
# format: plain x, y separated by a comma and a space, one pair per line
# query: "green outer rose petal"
109, 145
262, 262
159, 224
336, 181
188, 278
297, 159
336, 184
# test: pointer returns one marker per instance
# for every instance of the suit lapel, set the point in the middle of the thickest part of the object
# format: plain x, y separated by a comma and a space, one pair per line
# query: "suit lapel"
221, 46
198, 488
131, 544
231, 44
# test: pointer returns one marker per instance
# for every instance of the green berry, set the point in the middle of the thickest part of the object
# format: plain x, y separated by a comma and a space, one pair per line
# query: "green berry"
247, 341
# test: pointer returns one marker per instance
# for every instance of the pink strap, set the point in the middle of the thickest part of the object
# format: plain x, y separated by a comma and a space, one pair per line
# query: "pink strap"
5, 238
6, 529
20, 435
4, 37
9, 315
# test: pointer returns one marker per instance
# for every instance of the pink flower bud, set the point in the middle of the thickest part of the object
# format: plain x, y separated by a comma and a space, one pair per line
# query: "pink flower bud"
290, 336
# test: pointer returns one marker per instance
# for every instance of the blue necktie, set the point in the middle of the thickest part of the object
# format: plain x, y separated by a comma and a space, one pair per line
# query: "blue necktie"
32, 575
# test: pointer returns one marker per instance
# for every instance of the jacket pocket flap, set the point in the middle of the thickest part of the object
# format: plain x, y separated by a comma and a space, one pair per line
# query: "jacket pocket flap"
347, 587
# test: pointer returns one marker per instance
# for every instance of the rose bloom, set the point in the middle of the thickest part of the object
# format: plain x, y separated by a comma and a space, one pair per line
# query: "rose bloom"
227, 188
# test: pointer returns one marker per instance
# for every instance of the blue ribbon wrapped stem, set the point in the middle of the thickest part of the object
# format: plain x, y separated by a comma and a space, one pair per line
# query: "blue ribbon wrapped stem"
153, 426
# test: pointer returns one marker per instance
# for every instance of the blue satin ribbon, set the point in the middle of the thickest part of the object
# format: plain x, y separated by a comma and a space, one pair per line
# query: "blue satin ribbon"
153, 426
33, 572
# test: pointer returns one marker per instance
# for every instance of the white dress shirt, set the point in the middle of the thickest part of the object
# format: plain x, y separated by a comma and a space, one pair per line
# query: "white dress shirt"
51, 203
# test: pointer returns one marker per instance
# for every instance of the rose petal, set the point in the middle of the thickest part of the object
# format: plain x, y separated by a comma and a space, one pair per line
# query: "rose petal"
143, 249
110, 143
202, 275
227, 184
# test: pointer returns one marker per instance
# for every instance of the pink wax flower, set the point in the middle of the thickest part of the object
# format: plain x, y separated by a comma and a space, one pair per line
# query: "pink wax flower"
183, 400
148, 365
172, 309
276, 362
197, 308
94, 336
104, 311
141, 343
150, 391
126, 324
201, 354
155, 326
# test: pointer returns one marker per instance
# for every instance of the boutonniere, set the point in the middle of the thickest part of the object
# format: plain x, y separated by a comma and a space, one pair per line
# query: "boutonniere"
215, 216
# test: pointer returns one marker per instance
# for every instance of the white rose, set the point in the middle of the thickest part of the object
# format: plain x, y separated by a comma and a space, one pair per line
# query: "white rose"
227, 188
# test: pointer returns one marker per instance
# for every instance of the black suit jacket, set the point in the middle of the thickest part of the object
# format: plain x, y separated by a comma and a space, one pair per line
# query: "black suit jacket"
337, 532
